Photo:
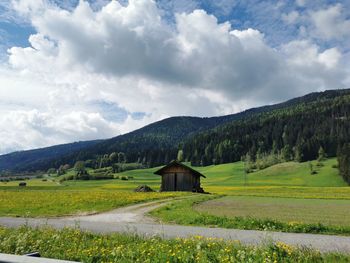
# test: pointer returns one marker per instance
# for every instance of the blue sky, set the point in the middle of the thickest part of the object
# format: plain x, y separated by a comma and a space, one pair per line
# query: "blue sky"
78, 70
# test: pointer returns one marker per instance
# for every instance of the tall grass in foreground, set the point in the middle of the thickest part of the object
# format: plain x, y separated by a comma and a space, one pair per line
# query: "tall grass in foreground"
73, 244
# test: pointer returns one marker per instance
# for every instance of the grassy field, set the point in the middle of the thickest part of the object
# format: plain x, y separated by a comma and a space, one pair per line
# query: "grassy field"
284, 174
287, 210
49, 197
34, 203
183, 213
219, 178
72, 244
284, 197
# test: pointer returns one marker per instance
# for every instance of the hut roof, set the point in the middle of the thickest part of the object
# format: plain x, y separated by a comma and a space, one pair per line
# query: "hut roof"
175, 162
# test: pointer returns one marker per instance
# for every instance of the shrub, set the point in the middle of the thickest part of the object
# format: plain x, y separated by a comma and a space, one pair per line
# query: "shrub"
319, 164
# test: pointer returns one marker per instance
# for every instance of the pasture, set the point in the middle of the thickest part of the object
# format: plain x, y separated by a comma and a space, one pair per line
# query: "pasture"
35, 203
287, 184
287, 210
284, 197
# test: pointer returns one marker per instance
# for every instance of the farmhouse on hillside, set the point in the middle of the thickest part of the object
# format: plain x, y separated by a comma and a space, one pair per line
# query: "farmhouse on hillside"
179, 177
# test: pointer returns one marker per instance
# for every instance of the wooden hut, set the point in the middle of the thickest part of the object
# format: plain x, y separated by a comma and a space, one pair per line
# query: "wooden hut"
179, 177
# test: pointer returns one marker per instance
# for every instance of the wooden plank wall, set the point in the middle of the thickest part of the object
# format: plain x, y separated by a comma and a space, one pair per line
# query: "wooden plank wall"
178, 178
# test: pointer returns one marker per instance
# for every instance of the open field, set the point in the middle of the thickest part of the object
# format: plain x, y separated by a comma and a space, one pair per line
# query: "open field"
218, 176
288, 180
33, 203
286, 210
285, 191
183, 213
72, 244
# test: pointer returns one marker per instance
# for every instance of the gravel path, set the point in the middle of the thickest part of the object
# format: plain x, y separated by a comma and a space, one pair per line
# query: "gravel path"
134, 219
130, 214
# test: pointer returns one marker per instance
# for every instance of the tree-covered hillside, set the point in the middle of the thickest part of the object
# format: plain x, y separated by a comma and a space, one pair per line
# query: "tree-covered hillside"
153, 144
38, 159
296, 129
344, 161
297, 132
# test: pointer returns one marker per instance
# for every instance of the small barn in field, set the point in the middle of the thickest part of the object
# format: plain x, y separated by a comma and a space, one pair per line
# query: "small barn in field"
179, 177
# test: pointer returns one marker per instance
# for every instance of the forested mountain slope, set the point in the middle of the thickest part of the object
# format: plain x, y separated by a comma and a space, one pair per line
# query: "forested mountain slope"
299, 126
297, 131
162, 136
20, 161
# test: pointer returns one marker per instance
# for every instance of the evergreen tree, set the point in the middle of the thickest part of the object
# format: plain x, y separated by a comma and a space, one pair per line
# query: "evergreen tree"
287, 153
321, 154
180, 155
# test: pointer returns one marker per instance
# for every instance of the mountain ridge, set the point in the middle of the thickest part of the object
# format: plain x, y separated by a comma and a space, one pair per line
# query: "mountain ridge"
154, 144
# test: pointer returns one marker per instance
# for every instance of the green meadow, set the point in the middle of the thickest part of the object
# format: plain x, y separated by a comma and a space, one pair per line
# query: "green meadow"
320, 198
287, 210
284, 197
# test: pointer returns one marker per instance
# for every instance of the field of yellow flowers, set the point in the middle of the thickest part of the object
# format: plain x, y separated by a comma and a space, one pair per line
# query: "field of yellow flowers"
72, 244
33, 203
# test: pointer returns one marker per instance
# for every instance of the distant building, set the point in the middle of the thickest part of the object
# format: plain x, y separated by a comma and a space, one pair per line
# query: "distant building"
179, 177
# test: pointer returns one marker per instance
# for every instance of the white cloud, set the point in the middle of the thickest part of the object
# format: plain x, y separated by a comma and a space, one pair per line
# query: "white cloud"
129, 57
29, 129
331, 23
312, 67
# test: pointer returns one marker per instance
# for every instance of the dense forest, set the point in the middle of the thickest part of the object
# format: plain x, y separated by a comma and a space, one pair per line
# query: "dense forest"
344, 161
293, 130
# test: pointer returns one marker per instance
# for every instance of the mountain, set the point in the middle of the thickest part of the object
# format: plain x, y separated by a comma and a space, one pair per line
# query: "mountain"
211, 140
299, 129
164, 136
33, 160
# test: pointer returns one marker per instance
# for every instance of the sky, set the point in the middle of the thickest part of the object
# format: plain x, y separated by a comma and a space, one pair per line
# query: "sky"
80, 70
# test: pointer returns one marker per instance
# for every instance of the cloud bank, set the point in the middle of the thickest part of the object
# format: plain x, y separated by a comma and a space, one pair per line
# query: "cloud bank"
81, 61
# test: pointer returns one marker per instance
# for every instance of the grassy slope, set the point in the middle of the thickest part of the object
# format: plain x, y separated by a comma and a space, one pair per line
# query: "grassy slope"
285, 174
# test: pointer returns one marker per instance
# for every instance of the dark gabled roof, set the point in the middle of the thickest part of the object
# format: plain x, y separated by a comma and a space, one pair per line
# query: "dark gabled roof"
175, 162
